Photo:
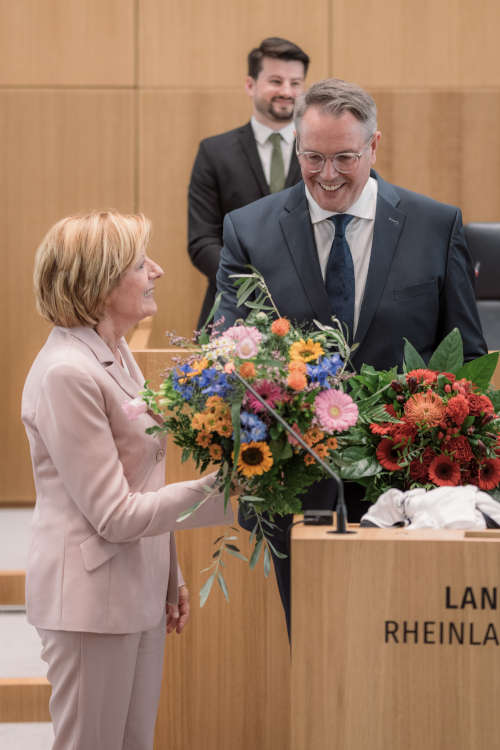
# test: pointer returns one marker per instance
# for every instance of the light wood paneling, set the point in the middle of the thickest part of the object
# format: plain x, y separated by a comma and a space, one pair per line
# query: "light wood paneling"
205, 44
444, 144
67, 42
171, 127
24, 699
12, 583
399, 44
226, 679
61, 152
353, 688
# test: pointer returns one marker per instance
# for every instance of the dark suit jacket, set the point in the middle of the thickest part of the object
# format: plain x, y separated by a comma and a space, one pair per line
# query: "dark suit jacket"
419, 283
227, 174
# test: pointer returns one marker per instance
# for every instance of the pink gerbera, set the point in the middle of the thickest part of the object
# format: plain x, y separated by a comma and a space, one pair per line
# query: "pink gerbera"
270, 392
335, 410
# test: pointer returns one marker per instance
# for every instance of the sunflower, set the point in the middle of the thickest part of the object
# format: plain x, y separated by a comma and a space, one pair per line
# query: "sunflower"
306, 351
254, 458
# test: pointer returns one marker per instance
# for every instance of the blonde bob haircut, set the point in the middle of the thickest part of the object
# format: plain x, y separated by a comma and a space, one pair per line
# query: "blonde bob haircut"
81, 259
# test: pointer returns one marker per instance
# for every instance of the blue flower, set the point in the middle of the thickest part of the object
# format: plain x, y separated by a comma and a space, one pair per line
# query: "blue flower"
255, 430
326, 367
213, 382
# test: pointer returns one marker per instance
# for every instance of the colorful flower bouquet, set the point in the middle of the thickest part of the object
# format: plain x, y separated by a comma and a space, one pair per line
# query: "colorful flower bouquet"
435, 425
218, 421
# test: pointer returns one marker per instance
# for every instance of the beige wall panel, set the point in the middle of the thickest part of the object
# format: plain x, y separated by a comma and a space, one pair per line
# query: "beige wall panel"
61, 152
443, 144
205, 44
450, 43
67, 42
171, 127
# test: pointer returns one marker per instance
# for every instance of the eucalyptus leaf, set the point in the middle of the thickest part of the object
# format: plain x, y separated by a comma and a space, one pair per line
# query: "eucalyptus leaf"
190, 511
256, 553
449, 356
275, 552
222, 584
206, 588
267, 562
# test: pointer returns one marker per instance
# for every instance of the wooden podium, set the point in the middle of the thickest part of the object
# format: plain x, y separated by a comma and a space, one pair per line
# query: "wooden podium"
396, 639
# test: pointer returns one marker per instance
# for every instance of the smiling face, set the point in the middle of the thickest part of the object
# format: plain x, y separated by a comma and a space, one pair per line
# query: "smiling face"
132, 298
275, 89
329, 135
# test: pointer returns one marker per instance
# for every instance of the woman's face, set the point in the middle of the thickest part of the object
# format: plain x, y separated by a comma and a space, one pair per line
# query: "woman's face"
132, 299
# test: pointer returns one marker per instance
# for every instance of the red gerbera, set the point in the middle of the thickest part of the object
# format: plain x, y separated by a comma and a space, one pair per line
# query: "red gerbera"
418, 470
404, 432
388, 455
270, 392
457, 409
382, 428
444, 472
489, 473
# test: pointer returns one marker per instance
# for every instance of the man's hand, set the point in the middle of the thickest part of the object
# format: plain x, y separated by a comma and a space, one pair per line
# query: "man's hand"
178, 614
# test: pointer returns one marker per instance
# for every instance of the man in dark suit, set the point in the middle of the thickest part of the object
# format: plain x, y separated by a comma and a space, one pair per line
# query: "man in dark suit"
235, 168
399, 266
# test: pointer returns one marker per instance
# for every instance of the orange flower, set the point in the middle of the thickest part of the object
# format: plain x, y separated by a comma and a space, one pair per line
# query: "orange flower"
215, 452
297, 381
296, 365
322, 450
306, 350
204, 439
425, 409
313, 435
426, 377
308, 459
247, 370
332, 443
280, 327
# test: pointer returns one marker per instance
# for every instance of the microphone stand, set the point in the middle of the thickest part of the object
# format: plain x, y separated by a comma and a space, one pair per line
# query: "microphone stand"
341, 508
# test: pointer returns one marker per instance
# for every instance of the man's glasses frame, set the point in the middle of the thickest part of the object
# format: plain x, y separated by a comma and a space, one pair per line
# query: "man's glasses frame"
344, 162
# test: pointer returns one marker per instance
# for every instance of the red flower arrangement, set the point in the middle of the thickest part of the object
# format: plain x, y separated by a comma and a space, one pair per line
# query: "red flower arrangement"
428, 427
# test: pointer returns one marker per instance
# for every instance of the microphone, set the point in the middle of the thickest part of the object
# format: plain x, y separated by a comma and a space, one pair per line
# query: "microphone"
341, 508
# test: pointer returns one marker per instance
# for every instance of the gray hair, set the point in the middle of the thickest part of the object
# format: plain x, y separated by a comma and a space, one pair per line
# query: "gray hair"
335, 97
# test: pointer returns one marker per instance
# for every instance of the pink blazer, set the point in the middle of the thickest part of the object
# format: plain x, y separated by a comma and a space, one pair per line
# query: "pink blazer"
102, 556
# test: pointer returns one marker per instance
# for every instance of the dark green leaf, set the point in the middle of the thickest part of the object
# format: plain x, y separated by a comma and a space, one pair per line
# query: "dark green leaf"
480, 370
449, 356
412, 359
365, 468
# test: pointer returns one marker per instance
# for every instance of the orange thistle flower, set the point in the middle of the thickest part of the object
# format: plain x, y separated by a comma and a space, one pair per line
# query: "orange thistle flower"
426, 377
425, 409
247, 370
280, 327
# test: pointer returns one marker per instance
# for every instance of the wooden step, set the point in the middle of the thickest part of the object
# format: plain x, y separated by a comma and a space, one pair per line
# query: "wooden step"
12, 584
24, 699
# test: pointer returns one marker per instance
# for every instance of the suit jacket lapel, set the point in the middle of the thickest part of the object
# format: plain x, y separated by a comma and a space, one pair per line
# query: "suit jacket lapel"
389, 222
105, 356
249, 147
299, 236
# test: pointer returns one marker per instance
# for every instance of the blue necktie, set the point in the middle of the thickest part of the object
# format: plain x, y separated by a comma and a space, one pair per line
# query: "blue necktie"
339, 276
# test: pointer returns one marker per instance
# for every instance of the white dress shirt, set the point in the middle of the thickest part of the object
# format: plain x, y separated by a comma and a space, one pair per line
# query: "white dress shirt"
359, 236
264, 147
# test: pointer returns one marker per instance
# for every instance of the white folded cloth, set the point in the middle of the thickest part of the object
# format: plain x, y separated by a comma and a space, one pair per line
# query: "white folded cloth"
440, 508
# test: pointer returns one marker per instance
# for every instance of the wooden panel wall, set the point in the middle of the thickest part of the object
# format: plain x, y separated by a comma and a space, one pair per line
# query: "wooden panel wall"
103, 103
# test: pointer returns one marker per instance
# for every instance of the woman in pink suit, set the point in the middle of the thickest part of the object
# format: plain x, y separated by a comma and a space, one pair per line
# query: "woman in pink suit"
102, 582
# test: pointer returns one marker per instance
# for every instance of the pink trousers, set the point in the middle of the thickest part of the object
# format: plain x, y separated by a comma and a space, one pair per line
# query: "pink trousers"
105, 688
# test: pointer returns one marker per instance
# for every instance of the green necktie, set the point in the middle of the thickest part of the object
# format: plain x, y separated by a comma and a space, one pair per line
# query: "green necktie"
277, 181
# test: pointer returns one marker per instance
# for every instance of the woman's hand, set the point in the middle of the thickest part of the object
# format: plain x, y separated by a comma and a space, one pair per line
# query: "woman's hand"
178, 614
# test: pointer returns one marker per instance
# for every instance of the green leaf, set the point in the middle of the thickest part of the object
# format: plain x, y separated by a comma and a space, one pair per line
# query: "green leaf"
206, 588
203, 337
236, 553
367, 467
449, 356
235, 418
275, 552
412, 359
190, 511
267, 562
222, 584
252, 499
256, 553
480, 370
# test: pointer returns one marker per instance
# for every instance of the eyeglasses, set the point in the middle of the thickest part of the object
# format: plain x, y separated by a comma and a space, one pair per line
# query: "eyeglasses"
344, 162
